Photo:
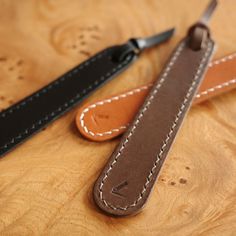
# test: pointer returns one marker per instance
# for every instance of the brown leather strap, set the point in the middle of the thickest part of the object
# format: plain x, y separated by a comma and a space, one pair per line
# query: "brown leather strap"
125, 184
107, 118
126, 181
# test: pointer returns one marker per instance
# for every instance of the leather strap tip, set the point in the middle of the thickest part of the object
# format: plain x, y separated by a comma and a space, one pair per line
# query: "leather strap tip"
86, 123
114, 211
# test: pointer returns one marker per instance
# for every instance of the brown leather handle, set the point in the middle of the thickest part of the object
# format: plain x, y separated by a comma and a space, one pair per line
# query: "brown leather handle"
125, 184
127, 180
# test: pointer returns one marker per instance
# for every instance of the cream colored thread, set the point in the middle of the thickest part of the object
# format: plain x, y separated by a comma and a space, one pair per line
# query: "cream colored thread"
85, 128
221, 60
220, 86
199, 70
108, 101
154, 91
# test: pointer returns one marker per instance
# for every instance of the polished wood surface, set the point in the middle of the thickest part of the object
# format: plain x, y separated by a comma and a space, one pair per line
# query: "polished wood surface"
46, 183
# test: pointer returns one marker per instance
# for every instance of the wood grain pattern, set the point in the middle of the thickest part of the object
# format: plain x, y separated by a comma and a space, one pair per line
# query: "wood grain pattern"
46, 183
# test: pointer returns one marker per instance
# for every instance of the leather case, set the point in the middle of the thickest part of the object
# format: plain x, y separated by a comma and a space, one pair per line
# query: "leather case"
127, 179
31, 114
108, 118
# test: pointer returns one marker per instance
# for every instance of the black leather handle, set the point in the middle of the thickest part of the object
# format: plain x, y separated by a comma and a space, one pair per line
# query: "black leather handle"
28, 116
34, 112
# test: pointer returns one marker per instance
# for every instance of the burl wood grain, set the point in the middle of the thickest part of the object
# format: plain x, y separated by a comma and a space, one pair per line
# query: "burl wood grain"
46, 183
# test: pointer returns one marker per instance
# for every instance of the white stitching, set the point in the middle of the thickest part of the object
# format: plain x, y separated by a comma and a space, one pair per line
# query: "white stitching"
220, 86
171, 63
108, 101
129, 93
165, 143
221, 60
65, 105
161, 81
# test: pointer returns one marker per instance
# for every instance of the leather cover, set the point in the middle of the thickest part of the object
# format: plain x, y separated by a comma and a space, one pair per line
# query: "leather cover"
28, 116
106, 119
127, 179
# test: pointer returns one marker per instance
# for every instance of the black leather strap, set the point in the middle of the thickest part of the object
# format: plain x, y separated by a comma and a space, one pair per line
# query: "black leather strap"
28, 116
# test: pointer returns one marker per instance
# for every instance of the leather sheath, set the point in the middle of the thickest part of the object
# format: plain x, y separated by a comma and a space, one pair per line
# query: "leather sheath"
108, 118
127, 179
30, 115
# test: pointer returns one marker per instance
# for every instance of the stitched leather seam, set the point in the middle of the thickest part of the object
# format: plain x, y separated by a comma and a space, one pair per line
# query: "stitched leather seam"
220, 86
173, 60
159, 84
129, 93
222, 60
108, 101
52, 85
65, 105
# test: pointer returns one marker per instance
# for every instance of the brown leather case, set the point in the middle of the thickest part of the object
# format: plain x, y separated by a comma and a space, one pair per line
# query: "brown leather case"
126, 181
105, 119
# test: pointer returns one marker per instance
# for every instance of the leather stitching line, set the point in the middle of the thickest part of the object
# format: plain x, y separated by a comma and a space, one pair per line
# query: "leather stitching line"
155, 90
65, 105
108, 101
220, 86
173, 60
129, 93
221, 60
52, 85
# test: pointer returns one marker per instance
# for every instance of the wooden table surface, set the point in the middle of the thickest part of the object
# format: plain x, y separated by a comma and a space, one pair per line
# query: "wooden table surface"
46, 183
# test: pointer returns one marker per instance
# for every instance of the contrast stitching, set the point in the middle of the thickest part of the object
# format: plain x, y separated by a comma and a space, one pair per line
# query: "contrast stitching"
109, 100
221, 60
129, 93
52, 85
220, 86
146, 106
64, 106
154, 91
